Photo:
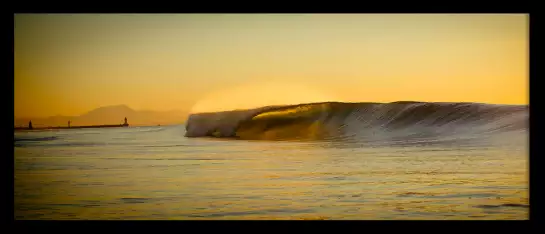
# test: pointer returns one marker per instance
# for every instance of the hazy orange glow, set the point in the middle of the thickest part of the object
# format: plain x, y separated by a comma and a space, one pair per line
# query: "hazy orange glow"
259, 94
70, 64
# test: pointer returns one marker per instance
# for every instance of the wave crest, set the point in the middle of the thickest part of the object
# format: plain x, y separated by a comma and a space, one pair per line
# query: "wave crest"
341, 121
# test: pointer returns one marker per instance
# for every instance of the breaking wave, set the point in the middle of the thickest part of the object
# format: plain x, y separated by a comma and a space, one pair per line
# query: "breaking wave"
362, 121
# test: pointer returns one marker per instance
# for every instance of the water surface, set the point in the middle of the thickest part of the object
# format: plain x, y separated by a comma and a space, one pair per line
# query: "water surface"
157, 173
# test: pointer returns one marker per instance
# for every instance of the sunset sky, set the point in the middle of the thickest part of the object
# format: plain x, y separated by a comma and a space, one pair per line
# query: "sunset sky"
70, 64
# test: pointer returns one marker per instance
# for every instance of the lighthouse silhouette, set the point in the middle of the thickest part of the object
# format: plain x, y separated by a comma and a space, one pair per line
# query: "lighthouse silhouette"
126, 124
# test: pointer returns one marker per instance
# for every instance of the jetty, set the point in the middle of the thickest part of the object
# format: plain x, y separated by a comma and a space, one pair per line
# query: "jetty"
30, 127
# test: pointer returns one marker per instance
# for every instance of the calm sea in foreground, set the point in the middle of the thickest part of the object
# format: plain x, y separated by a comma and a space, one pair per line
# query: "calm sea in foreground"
157, 173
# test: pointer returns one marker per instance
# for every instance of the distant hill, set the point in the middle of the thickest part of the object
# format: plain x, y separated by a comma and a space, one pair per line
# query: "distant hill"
109, 115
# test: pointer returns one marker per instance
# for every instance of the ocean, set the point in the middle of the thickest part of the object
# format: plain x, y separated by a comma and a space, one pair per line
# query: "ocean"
355, 161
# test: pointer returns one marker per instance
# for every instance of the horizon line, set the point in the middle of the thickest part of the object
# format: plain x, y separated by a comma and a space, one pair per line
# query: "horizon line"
189, 109
59, 115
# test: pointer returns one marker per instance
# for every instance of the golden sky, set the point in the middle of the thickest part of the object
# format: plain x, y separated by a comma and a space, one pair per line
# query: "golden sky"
70, 64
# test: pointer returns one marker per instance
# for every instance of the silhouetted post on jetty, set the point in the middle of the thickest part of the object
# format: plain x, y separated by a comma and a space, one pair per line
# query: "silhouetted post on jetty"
68, 123
29, 124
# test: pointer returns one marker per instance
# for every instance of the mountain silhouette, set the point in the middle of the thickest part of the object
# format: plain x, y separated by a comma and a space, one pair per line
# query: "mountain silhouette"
109, 115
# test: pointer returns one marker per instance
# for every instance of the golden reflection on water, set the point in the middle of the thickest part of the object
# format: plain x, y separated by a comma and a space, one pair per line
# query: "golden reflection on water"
283, 180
